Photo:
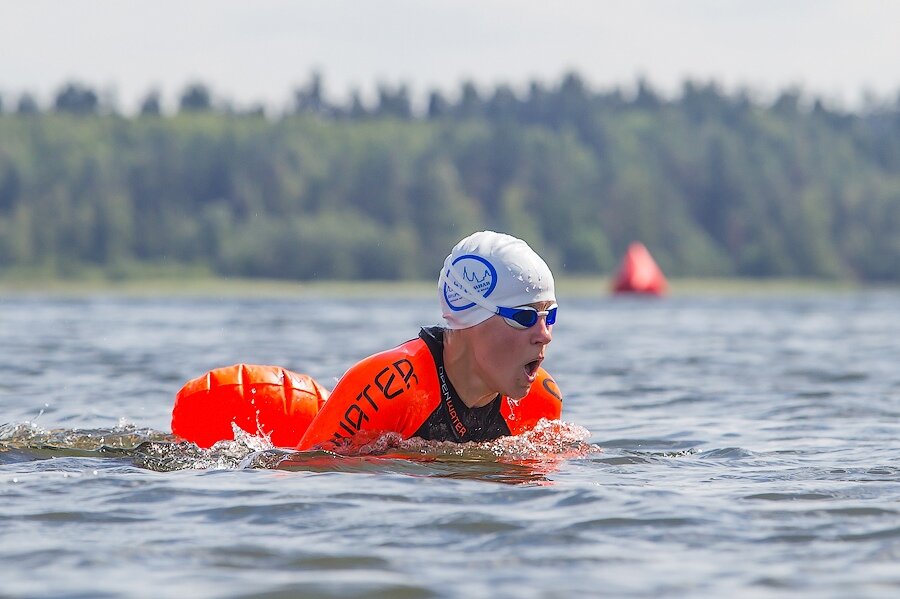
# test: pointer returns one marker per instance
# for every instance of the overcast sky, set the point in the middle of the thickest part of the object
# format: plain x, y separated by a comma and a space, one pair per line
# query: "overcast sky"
261, 50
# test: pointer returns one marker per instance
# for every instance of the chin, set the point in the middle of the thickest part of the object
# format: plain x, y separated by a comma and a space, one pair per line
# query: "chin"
517, 392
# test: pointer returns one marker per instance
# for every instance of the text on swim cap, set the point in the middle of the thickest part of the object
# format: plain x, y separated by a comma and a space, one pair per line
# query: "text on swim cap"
479, 275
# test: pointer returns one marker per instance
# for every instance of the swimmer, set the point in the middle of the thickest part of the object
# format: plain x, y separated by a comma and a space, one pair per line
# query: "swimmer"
476, 378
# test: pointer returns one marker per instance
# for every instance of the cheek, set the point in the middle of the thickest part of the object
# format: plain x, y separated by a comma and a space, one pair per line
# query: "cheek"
501, 349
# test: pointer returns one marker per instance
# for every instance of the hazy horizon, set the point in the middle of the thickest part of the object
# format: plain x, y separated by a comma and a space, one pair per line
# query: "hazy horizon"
260, 52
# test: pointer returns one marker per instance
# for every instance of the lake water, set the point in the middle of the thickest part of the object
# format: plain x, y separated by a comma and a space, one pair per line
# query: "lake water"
712, 446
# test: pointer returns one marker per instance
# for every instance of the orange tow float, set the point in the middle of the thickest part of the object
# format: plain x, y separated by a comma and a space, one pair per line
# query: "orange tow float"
259, 399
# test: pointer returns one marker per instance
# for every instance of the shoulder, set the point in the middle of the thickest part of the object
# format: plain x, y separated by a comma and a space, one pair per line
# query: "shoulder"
386, 392
392, 370
544, 400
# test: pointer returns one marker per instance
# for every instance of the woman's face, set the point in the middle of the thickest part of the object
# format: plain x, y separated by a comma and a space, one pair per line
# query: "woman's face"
508, 358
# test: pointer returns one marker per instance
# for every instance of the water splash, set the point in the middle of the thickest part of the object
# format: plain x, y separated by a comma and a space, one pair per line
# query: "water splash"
547, 438
240, 453
258, 442
125, 435
524, 458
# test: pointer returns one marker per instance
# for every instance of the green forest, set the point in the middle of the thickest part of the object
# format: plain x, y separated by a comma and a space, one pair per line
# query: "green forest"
714, 184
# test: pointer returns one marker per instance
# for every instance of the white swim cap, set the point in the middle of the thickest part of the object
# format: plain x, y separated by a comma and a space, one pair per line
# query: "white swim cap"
486, 270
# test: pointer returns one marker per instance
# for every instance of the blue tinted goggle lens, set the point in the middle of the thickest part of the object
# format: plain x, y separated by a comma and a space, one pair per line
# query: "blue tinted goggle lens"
527, 317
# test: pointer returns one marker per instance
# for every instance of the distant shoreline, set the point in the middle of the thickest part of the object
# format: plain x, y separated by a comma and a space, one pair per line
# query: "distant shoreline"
575, 287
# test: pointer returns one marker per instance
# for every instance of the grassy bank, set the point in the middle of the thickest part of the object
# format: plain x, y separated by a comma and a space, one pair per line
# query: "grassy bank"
213, 287
204, 285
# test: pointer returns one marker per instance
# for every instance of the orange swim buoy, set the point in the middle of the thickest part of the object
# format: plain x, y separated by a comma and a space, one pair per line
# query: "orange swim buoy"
266, 400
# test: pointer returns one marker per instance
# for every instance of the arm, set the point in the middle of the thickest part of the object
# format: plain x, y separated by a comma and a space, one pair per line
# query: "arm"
379, 394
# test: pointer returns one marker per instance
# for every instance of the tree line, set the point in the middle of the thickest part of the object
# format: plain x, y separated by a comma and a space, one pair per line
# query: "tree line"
714, 184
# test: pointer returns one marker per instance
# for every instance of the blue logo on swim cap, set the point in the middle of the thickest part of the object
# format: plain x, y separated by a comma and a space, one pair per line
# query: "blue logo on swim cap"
479, 274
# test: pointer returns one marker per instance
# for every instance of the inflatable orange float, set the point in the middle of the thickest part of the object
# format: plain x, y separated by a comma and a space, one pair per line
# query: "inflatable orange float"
265, 400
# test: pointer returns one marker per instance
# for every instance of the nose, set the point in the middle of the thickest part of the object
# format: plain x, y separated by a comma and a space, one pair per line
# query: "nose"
543, 333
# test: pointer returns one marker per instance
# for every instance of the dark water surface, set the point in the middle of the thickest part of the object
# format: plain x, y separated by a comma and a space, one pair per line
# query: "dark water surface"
734, 446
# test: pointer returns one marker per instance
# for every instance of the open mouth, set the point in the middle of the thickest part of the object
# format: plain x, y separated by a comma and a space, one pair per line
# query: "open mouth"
532, 367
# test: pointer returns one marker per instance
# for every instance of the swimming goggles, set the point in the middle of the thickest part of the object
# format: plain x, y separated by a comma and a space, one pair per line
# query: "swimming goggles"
526, 317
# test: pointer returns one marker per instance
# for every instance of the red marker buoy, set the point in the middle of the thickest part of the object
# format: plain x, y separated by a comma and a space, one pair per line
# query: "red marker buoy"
639, 273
